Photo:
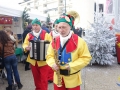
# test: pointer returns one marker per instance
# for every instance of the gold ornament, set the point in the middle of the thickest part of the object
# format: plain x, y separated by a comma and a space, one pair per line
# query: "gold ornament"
67, 19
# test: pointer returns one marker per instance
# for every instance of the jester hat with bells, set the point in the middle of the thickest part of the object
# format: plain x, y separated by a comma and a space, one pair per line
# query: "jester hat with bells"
67, 19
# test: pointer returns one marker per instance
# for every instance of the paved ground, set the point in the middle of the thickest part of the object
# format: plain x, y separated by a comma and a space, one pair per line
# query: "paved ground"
94, 78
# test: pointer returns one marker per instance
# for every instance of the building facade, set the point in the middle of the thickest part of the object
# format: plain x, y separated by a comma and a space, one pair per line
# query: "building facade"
85, 8
52, 7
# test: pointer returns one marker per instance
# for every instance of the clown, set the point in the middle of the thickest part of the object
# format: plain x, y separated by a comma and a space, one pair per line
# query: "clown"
73, 55
39, 68
54, 33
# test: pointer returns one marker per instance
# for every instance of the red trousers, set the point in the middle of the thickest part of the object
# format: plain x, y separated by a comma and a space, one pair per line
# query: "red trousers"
64, 88
50, 74
40, 75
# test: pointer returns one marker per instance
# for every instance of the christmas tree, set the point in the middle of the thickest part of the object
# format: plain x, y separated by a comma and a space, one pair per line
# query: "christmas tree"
101, 41
25, 18
48, 21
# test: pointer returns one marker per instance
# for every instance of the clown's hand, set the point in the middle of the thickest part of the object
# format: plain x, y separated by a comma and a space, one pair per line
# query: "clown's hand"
28, 48
55, 67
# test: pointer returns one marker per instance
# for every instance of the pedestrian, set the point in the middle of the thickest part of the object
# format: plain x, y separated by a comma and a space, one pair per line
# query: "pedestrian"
10, 60
67, 55
78, 31
11, 35
28, 29
39, 68
44, 27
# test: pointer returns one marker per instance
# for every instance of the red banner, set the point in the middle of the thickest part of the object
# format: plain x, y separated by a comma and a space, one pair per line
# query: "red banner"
5, 20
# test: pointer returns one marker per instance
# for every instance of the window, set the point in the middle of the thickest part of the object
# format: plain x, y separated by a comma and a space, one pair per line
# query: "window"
28, 3
45, 5
94, 7
26, 0
61, 1
101, 8
36, 7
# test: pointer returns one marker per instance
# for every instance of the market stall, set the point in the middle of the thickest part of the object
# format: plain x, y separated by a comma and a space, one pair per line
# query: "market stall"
12, 17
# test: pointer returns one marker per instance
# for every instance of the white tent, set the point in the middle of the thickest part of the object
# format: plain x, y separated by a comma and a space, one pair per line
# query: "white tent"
35, 14
10, 11
4, 10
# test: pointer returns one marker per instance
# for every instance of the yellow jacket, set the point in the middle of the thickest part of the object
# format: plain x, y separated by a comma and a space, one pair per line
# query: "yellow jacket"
26, 43
80, 58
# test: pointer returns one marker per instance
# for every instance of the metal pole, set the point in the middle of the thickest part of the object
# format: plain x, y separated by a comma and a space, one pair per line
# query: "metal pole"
65, 6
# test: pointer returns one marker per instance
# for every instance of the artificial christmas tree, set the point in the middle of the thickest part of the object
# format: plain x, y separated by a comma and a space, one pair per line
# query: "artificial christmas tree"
101, 41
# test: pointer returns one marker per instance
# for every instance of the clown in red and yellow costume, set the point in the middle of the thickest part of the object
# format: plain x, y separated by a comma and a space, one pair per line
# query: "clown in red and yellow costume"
39, 68
54, 33
73, 55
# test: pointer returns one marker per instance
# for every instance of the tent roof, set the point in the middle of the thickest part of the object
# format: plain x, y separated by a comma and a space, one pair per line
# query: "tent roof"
10, 11
17, 12
35, 14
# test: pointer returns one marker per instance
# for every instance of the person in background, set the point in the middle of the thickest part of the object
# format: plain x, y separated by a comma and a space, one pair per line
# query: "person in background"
78, 31
44, 27
39, 68
10, 60
28, 29
54, 33
83, 30
72, 53
11, 35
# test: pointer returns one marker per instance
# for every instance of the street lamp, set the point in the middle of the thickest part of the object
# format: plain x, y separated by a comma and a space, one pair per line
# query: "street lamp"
65, 6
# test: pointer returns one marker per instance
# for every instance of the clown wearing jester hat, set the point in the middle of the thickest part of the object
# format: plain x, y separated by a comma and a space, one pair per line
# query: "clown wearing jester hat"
73, 55
54, 33
39, 68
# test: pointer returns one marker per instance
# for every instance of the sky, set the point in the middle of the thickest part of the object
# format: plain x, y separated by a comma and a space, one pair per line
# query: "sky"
11, 3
